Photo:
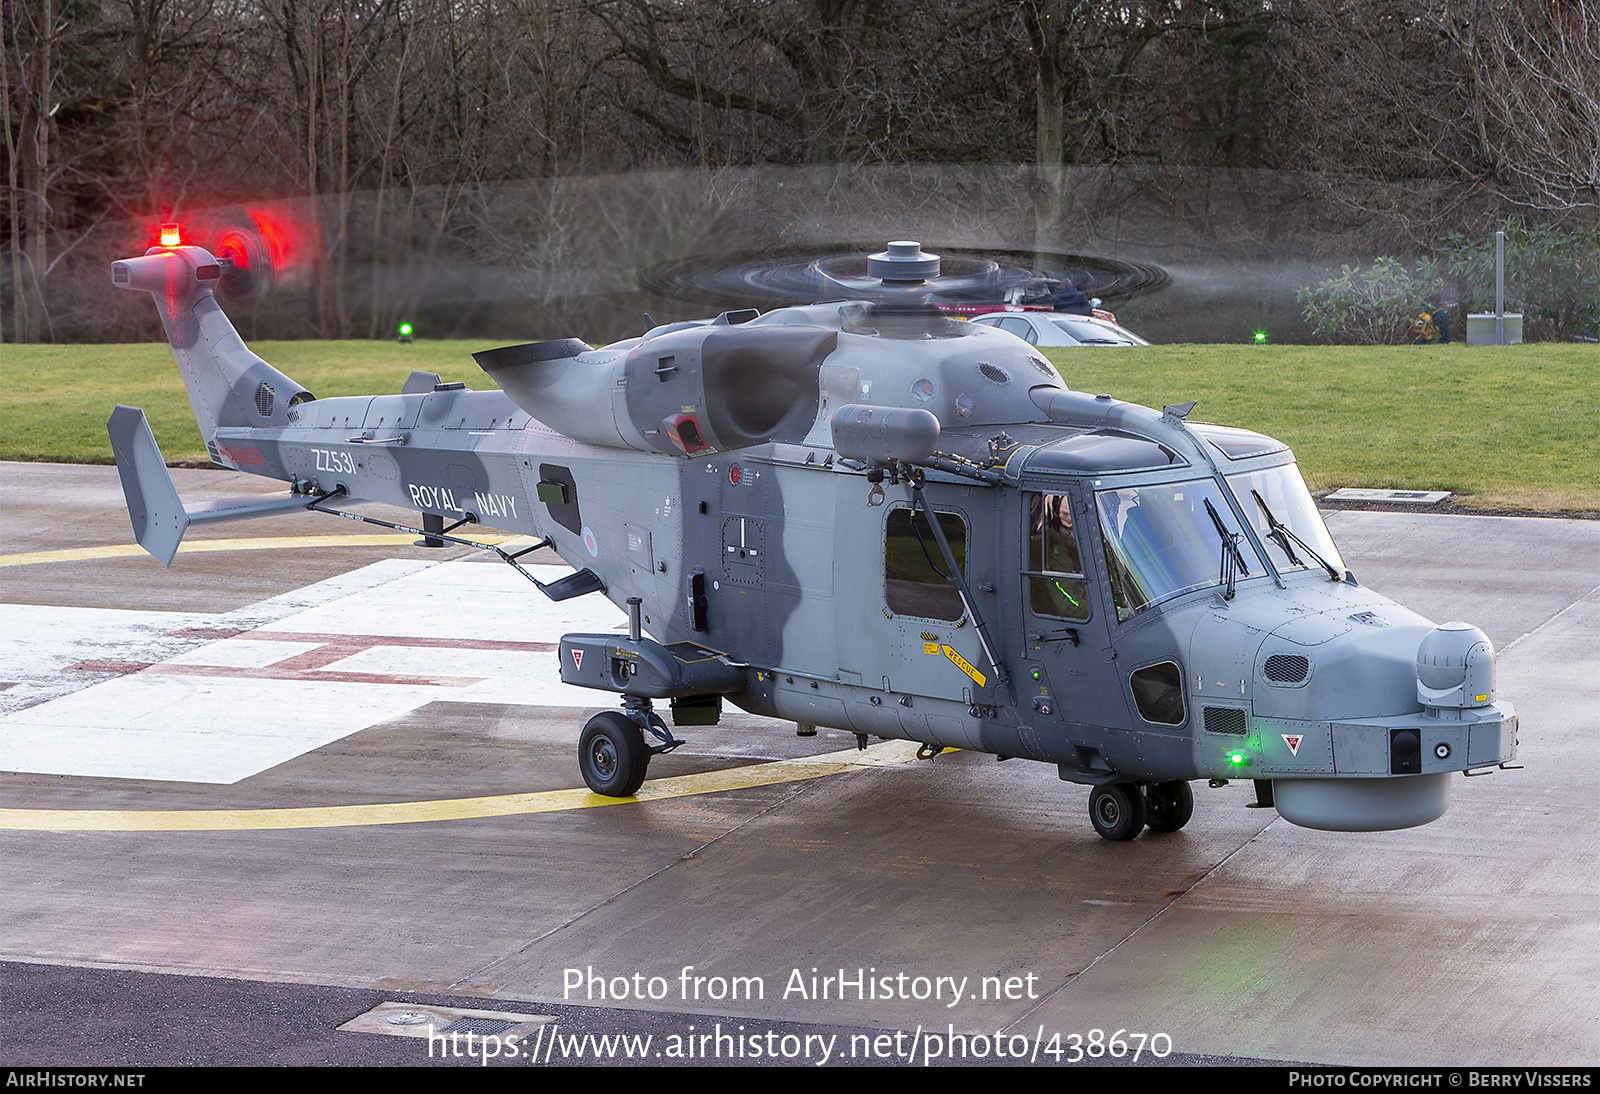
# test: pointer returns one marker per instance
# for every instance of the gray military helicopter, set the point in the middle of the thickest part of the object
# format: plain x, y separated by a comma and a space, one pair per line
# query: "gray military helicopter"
864, 515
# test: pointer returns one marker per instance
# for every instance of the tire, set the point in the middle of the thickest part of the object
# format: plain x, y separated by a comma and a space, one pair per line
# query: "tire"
1117, 811
1168, 806
612, 755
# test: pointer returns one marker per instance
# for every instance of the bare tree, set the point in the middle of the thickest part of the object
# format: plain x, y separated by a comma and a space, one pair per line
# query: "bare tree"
31, 71
1536, 94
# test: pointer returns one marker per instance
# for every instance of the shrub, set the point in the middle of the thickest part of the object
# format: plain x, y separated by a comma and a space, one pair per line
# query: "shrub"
1373, 306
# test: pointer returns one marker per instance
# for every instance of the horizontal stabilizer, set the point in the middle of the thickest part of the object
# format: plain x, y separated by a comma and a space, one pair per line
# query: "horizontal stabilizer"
159, 518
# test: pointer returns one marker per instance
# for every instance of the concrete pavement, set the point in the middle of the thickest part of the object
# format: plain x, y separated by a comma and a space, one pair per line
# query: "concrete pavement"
930, 884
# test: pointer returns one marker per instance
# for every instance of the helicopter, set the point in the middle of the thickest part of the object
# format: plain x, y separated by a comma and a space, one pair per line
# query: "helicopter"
865, 515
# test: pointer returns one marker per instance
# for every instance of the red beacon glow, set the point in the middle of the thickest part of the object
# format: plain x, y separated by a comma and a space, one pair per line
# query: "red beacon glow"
169, 235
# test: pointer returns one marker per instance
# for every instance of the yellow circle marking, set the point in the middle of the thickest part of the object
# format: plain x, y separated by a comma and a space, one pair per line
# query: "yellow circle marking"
502, 805
201, 546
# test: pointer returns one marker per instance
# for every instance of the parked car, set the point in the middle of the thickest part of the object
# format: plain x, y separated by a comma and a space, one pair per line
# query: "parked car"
1047, 328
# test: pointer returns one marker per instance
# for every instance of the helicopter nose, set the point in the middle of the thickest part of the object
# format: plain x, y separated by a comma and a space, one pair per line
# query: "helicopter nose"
1374, 717
1332, 667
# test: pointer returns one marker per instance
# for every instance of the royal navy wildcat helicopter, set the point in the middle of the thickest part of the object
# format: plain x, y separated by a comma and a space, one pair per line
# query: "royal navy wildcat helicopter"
864, 515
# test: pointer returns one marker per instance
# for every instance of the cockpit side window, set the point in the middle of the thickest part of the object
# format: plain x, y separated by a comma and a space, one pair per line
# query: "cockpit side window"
914, 578
1056, 586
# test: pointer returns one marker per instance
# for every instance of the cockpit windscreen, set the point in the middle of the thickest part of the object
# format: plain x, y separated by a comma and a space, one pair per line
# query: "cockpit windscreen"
1165, 539
1279, 493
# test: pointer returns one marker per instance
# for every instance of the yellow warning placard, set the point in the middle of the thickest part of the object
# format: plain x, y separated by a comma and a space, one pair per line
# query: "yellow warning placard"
964, 665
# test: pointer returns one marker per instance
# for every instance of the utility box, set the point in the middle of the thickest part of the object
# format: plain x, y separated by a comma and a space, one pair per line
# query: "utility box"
1480, 329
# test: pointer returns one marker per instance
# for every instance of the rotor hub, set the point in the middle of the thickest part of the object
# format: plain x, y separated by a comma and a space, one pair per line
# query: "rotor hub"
905, 260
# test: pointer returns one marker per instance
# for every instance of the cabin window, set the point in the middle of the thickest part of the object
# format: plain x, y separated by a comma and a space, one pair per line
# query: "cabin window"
1056, 586
915, 580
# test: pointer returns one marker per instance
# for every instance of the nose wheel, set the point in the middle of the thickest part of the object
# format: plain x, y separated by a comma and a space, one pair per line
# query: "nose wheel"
612, 754
1121, 811
1117, 811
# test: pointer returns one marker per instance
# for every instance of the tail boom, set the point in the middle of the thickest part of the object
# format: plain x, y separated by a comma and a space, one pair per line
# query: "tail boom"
228, 385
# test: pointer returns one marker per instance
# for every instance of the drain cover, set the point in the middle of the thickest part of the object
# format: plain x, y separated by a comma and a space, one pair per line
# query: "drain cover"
1411, 497
487, 1027
422, 1020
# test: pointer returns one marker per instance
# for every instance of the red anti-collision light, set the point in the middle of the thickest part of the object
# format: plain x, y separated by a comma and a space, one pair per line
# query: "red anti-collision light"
169, 235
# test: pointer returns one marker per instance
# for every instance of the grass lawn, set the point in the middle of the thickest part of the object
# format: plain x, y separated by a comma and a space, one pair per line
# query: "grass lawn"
54, 400
1514, 426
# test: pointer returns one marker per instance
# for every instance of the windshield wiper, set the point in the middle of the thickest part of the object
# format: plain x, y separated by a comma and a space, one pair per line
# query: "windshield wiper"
1281, 534
1232, 560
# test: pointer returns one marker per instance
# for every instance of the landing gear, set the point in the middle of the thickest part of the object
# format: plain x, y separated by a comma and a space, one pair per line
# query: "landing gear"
1117, 811
612, 754
1168, 806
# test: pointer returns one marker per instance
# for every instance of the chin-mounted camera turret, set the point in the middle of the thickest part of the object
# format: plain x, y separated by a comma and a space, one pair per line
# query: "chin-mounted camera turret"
1455, 668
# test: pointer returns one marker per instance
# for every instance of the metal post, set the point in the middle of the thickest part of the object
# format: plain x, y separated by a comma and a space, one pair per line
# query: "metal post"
431, 523
634, 629
1499, 288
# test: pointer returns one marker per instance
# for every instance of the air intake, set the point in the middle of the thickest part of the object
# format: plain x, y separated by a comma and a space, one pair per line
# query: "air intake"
1230, 720
1287, 668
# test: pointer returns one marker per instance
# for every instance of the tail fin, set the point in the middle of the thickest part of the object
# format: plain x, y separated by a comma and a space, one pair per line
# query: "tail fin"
159, 518
227, 384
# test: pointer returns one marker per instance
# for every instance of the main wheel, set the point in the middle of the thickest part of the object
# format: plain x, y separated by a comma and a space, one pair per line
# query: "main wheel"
612, 754
1117, 811
1168, 806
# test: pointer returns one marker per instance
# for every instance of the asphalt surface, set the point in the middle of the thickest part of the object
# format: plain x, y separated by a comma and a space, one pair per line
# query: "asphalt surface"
1242, 938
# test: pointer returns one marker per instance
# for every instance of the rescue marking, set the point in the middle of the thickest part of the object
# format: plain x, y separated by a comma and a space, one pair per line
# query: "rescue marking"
1293, 741
887, 754
964, 665
577, 658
